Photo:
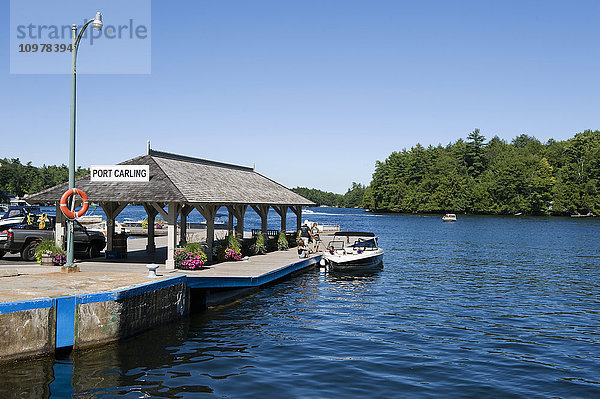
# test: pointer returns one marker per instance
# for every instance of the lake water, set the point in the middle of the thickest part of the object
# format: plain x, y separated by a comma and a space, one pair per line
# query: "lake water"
484, 307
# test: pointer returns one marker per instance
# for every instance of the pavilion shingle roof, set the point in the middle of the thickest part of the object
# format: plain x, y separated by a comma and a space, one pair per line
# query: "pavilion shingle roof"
177, 178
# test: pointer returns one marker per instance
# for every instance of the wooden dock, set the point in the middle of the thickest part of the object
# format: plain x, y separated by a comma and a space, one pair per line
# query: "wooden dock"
26, 280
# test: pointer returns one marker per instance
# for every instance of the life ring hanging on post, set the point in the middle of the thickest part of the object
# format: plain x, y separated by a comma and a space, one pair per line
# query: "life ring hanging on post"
65, 209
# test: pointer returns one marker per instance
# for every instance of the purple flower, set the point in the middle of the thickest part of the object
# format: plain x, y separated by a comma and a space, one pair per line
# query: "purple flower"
59, 259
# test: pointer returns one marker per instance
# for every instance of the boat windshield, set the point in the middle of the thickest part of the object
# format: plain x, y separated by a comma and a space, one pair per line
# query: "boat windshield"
336, 244
365, 244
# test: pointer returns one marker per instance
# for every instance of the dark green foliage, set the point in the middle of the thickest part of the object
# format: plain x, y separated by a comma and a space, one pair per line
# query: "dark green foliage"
475, 153
354, 196
259, 246
470, 176
195, 247
17, 179
352, 199
282, 243
231, 241
319, 197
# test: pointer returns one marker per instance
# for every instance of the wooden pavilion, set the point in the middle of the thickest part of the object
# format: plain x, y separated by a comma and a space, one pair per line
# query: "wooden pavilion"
177, 185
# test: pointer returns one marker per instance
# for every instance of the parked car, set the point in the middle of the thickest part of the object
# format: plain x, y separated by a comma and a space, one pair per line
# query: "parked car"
24, 237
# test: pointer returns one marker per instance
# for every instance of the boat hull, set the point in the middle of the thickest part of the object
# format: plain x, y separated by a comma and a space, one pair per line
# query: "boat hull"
355, 261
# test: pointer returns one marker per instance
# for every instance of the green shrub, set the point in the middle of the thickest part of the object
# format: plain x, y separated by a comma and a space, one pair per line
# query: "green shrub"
259, 247
195, 247
231, 241
282, 243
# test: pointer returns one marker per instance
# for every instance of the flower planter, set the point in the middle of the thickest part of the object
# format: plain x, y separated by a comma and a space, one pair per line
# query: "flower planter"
47, 260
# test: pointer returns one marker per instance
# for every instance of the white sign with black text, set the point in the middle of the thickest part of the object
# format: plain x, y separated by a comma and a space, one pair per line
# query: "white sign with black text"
120, 173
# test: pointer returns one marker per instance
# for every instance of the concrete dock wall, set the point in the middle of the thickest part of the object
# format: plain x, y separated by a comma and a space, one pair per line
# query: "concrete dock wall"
37, 327
120, 315
26, 329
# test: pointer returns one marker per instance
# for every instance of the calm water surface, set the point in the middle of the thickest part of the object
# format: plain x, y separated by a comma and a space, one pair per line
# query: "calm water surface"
484, 307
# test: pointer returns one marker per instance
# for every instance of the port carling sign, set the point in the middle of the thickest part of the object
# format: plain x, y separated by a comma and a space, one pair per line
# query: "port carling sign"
120, 173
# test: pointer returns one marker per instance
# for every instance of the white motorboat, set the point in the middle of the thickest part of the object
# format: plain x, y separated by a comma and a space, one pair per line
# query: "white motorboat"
449, 217
362, 253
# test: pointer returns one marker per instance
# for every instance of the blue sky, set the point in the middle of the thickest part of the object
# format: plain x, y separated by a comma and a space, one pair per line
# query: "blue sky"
314, 92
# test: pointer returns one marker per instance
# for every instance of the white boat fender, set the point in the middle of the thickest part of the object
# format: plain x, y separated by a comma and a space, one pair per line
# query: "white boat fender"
323, 262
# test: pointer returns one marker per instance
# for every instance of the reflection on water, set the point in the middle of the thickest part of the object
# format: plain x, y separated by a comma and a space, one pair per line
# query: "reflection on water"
355, 275
486, 307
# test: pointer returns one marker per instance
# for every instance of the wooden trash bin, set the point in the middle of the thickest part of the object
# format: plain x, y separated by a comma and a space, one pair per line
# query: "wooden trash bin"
120, 244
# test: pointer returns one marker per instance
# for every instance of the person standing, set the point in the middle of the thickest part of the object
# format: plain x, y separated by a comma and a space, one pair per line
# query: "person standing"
314, 232
305, 234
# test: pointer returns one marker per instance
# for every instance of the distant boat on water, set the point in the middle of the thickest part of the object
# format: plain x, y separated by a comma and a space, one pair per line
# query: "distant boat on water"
449, 217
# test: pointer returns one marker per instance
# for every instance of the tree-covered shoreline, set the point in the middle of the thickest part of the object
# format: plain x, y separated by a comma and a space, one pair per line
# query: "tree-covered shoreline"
17, 179
353, 198
471, 176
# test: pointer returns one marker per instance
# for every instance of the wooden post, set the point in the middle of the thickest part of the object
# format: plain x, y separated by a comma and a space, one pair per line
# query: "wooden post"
298, 211
238, 211
185, 211
282, 212
209, 211
263, 211
173, 213
59, 227
112, 210
230, 221
171, 230
151, 212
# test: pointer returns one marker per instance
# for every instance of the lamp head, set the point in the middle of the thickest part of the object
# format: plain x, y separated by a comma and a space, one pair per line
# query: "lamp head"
97, 24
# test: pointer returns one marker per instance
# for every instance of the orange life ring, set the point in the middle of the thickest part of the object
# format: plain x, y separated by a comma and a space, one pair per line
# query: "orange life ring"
65, 209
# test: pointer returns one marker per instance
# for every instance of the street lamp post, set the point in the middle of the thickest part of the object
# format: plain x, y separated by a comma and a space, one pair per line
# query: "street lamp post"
76, 38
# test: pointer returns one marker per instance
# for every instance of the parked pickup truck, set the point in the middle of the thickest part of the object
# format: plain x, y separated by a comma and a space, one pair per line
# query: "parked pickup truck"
24, 238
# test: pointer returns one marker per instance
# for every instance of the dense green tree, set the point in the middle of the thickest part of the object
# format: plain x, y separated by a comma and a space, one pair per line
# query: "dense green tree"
354, 196
474, 154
